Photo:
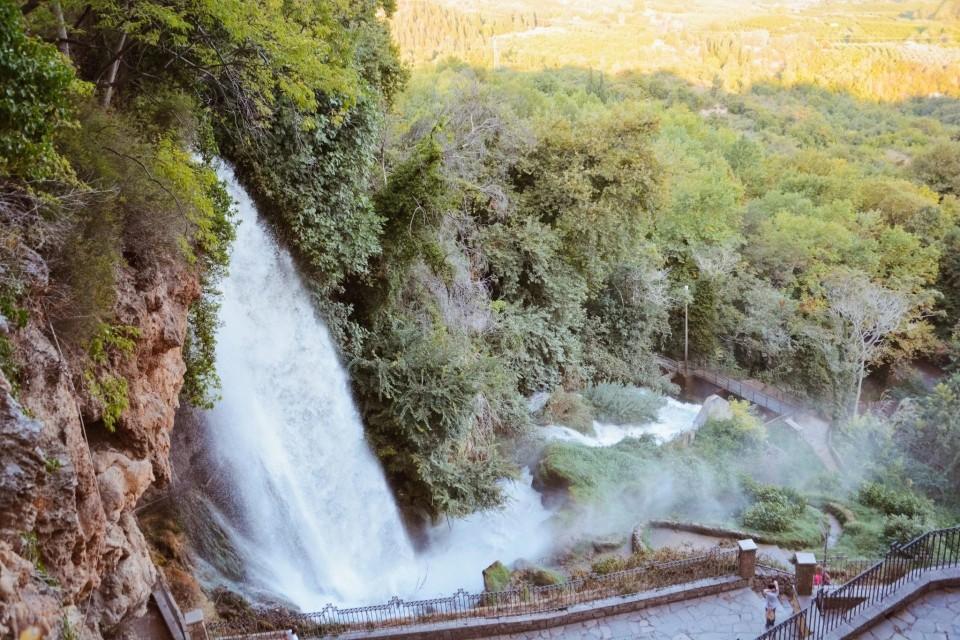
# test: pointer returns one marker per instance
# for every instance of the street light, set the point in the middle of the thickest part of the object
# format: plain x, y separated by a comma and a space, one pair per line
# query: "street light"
686, 327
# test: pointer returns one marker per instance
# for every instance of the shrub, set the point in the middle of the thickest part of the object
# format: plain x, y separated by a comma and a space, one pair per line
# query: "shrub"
111, 392
893, 502
767, 516
569, 410
902, 528
108, 389
620, 404
608, 565
741, 435
774, 508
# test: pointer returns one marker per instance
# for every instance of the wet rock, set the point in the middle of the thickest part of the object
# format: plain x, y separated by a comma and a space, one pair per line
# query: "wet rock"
496, 577
714, 408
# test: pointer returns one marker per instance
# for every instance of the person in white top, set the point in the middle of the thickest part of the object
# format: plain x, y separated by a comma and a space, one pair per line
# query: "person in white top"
771, 596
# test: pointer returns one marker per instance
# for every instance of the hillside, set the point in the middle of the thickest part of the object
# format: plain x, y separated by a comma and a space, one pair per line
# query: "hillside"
882, 49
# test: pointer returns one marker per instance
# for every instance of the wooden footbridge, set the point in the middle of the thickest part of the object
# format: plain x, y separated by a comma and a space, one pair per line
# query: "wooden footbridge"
762, 395
794, 412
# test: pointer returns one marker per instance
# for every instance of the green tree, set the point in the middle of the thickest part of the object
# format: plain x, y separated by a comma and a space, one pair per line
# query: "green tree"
35, 101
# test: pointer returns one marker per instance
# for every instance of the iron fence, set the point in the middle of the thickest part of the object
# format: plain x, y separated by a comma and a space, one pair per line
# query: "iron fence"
843, 568
333, 621
833, 606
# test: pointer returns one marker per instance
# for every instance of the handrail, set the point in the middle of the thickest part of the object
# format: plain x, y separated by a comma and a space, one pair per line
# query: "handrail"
332, 620
933, 550
770, 398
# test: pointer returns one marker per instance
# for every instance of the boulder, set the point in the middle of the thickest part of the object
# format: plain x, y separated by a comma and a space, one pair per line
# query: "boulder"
714, 408
496, 577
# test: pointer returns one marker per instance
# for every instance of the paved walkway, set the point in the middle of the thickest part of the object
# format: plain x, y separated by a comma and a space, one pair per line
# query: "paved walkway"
934, 616
734, 615
816, 433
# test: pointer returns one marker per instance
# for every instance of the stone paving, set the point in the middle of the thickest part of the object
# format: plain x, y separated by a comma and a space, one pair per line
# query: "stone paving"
734, 615
933, 616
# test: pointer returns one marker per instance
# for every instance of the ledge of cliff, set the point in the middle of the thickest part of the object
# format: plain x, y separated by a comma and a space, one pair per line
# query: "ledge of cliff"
72, 555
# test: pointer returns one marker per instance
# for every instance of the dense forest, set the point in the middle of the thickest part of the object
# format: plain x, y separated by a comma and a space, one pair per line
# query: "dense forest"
473, 237
557, 222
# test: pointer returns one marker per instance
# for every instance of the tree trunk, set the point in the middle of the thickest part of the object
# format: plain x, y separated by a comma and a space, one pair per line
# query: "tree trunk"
112, 74
62, 43
862, 374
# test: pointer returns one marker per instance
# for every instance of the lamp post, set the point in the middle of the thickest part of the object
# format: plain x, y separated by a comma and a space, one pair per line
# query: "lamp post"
686, 327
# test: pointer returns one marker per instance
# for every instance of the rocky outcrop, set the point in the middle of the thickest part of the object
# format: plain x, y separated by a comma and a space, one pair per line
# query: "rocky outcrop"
68, 487
714, 408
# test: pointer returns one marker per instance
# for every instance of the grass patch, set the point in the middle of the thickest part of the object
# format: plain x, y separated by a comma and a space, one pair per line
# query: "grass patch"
592, 474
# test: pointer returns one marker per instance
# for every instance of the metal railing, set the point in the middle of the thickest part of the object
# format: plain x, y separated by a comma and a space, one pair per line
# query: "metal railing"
332, 621
842, 568
768, 397
903, 563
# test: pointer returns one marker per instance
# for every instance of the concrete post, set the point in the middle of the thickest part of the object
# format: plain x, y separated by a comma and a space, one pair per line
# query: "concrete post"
806, 565
196, 630
747, 558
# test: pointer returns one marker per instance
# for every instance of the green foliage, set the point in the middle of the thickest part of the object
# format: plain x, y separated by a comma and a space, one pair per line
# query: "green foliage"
570, 410
433, 406
8, 363
496, 578
774, 508
30, 550
201, 384
608, 565
109, 338
939, 167
619, 404
903, 528
317, 184
108, 345
741, 435
35, 101
893, 501
67, 630
111, 392
52, 465
927, 431
592, 475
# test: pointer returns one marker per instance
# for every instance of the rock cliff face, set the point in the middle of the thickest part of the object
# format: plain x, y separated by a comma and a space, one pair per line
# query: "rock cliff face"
71, 553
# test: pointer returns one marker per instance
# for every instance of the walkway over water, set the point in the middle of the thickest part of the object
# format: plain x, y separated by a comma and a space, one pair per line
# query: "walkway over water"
810, 427
762, 395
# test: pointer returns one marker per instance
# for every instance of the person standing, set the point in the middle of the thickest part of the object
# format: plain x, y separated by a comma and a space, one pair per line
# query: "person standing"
771, 596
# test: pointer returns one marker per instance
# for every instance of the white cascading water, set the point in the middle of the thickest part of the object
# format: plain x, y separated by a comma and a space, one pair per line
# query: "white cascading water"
311, 514
318, 520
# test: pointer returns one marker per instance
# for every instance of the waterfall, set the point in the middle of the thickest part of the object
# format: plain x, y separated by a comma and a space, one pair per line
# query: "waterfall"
288, 477
311, 513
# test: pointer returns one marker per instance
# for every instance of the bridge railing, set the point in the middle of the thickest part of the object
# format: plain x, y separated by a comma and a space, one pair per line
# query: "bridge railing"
332, 621
833, 607
770, 398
